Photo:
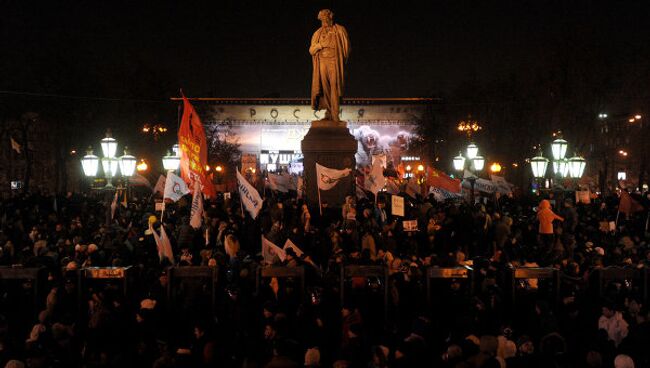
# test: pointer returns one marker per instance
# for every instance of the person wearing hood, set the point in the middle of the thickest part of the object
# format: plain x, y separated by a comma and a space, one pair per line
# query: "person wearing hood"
546, 216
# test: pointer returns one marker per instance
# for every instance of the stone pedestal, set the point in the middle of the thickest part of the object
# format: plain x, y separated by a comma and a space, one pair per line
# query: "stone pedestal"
330, 144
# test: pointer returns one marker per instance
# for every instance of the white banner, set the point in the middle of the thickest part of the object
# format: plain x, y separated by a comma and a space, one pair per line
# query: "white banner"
250, 198
442, 195
328, 178
502, 185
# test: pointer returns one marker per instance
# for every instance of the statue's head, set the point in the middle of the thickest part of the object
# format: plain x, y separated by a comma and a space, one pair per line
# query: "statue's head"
326, 16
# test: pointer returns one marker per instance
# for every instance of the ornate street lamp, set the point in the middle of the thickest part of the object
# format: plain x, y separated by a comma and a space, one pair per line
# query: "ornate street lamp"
459, 162
561, 167
539, 165
558, 147
478, 162
472, 151
90, 163
171, 162
577, 166
127, 163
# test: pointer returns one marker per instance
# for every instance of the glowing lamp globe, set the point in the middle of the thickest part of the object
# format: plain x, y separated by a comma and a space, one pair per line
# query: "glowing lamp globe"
127, 163
171, 162
109, 146
478, 163
459, 162
110, 166
90, 163
539, 165
577, 166
558, 147
472, 151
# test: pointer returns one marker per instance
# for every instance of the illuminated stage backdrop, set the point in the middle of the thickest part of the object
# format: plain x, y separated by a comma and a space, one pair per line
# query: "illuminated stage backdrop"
274, 128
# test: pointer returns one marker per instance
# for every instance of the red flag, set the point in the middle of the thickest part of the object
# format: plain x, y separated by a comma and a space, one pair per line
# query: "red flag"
438, 179
194, 150
628, 205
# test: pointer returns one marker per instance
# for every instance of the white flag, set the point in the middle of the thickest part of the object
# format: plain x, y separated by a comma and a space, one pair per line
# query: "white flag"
175, 187
328, 178
289, 244
391, 186
156, 238
114, 205
15, 146
249, 196
139, 180
197, 206
163, 245
280, 183
270, 250
166, 245
375, 180
160, 185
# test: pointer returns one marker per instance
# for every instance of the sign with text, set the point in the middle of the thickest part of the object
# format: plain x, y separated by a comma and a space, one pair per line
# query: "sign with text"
397, 205
410, 225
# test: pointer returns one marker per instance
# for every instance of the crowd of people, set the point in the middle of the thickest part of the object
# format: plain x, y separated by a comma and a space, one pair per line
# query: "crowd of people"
240, 318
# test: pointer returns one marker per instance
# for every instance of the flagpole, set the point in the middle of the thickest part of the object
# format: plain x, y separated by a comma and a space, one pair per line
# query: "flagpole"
320, 205
646, 221
617, 213
241, 202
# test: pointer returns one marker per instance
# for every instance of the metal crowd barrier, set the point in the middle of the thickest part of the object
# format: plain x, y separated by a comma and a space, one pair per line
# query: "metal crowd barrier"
633, 280
281, 273
461, 272
177, 274
352, 271
122, 276
36, 276
519, 275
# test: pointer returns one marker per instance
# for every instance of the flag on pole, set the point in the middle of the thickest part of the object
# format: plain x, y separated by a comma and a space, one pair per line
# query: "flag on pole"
139, 180
412, 188
175, 187
328, 178
270, 250
250, 198
197, 207
375, 179
628, 205
160, 185
392, 187
289, 244
114, 205
156, 238
194, 149
280, 183
166, 245
438, 179
15, 145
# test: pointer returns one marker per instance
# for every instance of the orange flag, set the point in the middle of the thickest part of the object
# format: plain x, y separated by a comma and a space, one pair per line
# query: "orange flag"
194, 150
628, 205
438, 179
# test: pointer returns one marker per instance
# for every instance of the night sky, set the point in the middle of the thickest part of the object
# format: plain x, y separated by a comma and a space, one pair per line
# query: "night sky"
259, 48
138, 54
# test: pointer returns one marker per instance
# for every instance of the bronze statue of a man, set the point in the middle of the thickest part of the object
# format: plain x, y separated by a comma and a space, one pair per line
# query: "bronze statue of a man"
329, 49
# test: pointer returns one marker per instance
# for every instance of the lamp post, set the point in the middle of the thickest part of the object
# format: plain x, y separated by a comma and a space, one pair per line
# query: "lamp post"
475, 163
572, 168
111, 165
